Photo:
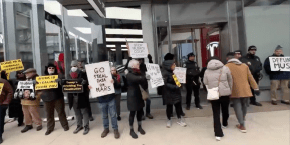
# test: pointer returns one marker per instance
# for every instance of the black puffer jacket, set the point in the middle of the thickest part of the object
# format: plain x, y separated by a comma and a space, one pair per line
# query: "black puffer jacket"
52, 94
171, 93
254, 63
134, 96
192, 72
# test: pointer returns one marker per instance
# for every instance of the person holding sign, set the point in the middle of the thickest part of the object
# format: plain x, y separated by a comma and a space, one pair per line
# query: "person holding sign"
117, 85
171, 93
135, 102
54, 100
278, 77
80, 101
6, 95
31, 107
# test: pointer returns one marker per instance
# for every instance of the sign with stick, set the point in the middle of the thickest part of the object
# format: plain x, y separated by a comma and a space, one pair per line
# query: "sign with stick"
155, 75
280, 63
180, 73
25, 90
138, 50
1, 87
46, 82
100, 77
176, 81
72, 86
11, 66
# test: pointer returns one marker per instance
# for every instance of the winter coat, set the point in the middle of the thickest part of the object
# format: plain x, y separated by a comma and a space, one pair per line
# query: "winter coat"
192, 71
7, 92
171, 92
83, 98
118, 85
254, 64
15, 107
213, 74
37, 95
134, 96
243, 80
275, 75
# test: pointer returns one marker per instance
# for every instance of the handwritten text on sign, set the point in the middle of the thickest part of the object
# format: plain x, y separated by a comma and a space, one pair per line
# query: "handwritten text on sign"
138, 50
1, 87
100, 77
72, 86
155, 75
180, 74
12, 65
46, 82
280, 63
22, 87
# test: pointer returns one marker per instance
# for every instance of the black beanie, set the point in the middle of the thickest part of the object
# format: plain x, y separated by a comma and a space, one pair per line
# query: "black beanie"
189, 55
169, 56
252, 48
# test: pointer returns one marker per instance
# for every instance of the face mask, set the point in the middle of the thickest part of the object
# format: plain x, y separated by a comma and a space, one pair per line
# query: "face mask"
74, 69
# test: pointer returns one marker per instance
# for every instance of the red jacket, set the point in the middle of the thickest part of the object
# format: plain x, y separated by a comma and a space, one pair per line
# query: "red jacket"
7, 93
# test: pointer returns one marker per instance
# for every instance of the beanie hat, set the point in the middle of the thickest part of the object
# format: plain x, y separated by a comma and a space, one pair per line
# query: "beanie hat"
74, 63
278, 48
190, 54
169, 56
252, 48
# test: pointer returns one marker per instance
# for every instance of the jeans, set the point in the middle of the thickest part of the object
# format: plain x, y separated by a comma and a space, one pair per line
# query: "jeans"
81, 114
240, 107
169, 109
109, 108
190, 86
221, 104
2, 118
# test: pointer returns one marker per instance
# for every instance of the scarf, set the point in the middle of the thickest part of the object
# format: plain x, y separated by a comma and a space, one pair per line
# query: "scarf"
118, 77
74, 75
135, 70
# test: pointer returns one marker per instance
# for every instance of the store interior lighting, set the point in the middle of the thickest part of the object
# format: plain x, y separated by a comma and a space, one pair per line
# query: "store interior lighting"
52, 7
84, 30
77, 12
112, 46
124, 39
123, 13
124, 31
121, 49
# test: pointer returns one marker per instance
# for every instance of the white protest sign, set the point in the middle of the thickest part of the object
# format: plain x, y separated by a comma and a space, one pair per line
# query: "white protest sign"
280, 63
99, 76
156, 78
180, 73
25, 90
138, 50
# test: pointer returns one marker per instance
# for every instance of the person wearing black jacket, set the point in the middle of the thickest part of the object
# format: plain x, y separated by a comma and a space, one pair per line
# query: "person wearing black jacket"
54, 100
255, 66
192, 81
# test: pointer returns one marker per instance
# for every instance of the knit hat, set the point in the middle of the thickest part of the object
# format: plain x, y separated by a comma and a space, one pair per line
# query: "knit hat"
278, 48
252, 48
190, 54
169, 56
74, 63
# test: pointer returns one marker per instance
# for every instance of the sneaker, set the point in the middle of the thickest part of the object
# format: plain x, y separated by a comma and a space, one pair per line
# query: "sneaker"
256, 103
26, 128
48, 132
241, 128
274, 102
149, 116
199, 107
169, 123
105, 133
39, 128
79, 128
116, 134
224, 127
119, 118
181, 123
86, 131
218, 138
285, 102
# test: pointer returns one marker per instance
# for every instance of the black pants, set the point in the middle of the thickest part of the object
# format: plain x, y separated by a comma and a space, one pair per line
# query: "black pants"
2, 118
169, 109
253, 99
132, 116
90, 110
190, 86
217, 105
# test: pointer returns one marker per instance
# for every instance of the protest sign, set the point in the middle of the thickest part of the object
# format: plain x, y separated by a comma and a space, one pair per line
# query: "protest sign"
11, 66
280, 63
176, 81
1, 87
72, 86
46, 82
156, 78
180, 73
25, 89
99, 76
138, 50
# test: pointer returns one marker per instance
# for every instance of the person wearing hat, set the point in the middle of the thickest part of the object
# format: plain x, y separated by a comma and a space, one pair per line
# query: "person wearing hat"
31, 107
192, 81
278, 78
54, 100
238, 54
255, 66
80, 101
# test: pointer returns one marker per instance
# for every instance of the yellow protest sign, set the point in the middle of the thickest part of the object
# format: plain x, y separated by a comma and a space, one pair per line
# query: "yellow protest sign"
176, 81
46, 82
12, 65
1, 87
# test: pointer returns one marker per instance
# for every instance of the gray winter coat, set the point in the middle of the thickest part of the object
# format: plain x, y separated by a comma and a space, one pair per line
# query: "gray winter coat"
212, 74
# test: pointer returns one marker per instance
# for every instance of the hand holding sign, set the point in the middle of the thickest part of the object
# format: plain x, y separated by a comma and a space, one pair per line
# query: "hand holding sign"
138, 50
280, 63
180, 73
154, 72
46, 82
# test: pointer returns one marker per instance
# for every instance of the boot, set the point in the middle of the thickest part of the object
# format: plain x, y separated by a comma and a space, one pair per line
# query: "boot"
86, 131
79, 128
140, 129
105, 132
26, 128
39, 128
133, 134
48, 132
116, 134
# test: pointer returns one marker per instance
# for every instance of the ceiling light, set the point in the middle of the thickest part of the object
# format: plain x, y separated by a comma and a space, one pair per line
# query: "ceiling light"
123, 39
124, 49
123, 45
52, 7
110, 45
72, 34
124, 31
84, 39
84, 30
113, 49
123, 13
77, 12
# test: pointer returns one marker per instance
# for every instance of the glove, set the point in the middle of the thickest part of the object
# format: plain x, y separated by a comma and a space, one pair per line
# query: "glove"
129, 58
149, 57
257, 92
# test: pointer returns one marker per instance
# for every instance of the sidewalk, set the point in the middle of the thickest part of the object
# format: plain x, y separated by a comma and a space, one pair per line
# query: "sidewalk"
267, 128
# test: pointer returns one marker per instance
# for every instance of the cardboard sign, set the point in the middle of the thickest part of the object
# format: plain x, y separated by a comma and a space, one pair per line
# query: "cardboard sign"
138, 50
1, 87
99, 76
72, 86
180, 73
25, 90
46, 82
176, 81
12, 65
280, 63
156, 78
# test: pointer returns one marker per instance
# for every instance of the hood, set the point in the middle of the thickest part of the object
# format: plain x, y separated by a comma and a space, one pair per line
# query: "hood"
214, 64
234, 60
167, 65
